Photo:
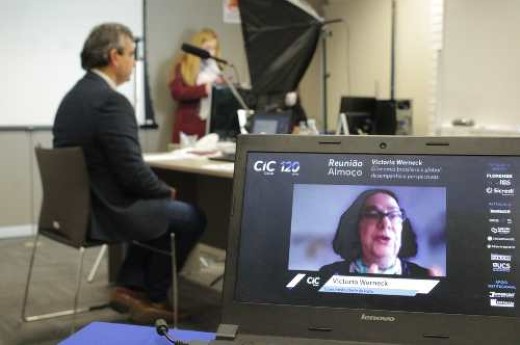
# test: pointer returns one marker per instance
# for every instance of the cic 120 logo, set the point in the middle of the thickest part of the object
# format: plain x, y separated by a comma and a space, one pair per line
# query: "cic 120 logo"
270, 167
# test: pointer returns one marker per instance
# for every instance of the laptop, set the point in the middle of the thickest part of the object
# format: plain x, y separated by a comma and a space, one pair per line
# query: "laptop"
272, 122
264, 123
293, 194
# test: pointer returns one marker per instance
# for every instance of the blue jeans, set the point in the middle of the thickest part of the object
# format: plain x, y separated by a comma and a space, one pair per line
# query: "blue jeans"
150, 271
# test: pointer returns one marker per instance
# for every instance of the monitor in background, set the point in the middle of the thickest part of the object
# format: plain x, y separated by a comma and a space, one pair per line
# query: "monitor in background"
367, 115
272, 123
360, 113
385, 120
223, 118
359, 123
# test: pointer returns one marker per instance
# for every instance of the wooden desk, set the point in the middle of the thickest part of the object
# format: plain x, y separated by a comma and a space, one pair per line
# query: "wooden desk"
201, 166
206, 183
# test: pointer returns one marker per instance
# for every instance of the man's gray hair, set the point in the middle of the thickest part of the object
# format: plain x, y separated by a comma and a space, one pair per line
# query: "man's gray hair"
101, 40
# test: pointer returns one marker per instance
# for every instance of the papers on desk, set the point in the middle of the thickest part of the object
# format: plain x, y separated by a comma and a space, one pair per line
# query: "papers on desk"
173, 155
221, 167
189, 153
205, 147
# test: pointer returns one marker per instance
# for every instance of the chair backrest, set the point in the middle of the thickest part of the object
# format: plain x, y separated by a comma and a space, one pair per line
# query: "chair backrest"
64, 214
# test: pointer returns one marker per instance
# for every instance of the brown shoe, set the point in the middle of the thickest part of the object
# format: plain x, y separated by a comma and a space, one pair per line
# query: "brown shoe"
149, 312
124, 299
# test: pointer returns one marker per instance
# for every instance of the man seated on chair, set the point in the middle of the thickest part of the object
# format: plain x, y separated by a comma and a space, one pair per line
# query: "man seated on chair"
129, 202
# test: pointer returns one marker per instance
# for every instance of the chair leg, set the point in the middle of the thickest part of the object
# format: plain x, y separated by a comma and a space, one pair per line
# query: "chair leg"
29, 275
94, 268
78, 288
46, 316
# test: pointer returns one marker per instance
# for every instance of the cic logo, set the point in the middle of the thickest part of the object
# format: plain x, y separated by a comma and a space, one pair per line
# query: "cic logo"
266, 167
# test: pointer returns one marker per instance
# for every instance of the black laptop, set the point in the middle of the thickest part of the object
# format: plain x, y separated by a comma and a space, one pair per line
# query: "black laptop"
264, 123
272, 122
293, 278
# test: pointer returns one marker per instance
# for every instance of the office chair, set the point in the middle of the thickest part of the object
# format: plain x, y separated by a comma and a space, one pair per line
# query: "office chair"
64, 214
64, 217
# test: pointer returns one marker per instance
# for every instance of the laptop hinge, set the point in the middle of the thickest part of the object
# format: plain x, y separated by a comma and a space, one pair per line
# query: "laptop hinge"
226, 331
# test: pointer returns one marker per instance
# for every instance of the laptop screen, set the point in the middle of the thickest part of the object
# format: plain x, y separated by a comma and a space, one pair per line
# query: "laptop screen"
222, 117
379, 231
272, 123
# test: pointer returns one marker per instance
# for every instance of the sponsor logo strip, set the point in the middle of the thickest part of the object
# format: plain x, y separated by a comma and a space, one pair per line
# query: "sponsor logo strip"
503, 304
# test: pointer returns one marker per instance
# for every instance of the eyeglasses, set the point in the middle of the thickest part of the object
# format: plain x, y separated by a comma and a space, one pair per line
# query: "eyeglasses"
128, 54
376, 215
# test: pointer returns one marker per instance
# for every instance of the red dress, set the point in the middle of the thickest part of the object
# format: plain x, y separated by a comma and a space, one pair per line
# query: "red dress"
188, 98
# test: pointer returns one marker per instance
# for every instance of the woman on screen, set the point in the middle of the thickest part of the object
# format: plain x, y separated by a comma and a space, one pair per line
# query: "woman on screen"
190, 84
375, 237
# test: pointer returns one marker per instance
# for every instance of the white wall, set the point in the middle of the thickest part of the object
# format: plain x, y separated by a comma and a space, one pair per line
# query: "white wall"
360, 48
480, 64
414, 61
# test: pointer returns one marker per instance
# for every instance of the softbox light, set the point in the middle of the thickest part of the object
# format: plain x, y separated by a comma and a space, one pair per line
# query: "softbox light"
280, 39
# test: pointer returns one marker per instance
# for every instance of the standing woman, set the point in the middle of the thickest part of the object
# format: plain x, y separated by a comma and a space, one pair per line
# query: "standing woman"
190, 85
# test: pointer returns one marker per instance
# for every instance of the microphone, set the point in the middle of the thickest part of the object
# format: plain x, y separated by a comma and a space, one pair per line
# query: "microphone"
161, 327
202, 53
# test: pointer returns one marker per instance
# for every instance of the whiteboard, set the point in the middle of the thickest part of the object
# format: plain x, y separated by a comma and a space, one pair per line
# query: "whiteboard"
40, 54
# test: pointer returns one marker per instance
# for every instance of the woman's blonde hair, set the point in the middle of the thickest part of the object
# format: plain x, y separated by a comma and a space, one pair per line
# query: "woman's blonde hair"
190, 64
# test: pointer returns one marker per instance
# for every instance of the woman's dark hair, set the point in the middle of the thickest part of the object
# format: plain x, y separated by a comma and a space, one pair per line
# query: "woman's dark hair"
101, 40
347, 243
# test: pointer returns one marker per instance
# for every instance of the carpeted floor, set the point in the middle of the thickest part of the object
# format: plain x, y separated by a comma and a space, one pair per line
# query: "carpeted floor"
52, 289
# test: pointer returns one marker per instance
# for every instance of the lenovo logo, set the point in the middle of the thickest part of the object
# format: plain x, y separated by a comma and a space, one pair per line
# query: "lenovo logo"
377, 318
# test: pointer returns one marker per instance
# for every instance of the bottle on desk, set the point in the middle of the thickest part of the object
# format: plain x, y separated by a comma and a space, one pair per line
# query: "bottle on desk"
310, 127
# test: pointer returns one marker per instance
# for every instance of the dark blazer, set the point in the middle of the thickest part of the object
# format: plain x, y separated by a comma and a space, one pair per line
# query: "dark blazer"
129, 202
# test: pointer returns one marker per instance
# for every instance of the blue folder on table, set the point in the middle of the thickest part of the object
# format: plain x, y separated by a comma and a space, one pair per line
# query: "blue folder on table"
101, 333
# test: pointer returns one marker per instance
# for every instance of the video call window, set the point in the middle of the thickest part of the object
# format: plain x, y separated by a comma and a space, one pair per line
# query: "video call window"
341, 228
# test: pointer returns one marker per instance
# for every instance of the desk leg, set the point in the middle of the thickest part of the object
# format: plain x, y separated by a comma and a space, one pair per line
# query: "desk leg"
116, 255
214, 196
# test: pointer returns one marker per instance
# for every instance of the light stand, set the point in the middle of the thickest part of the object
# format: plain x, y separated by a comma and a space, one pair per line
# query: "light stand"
325, 74
392, 53
234, 91
241, 115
